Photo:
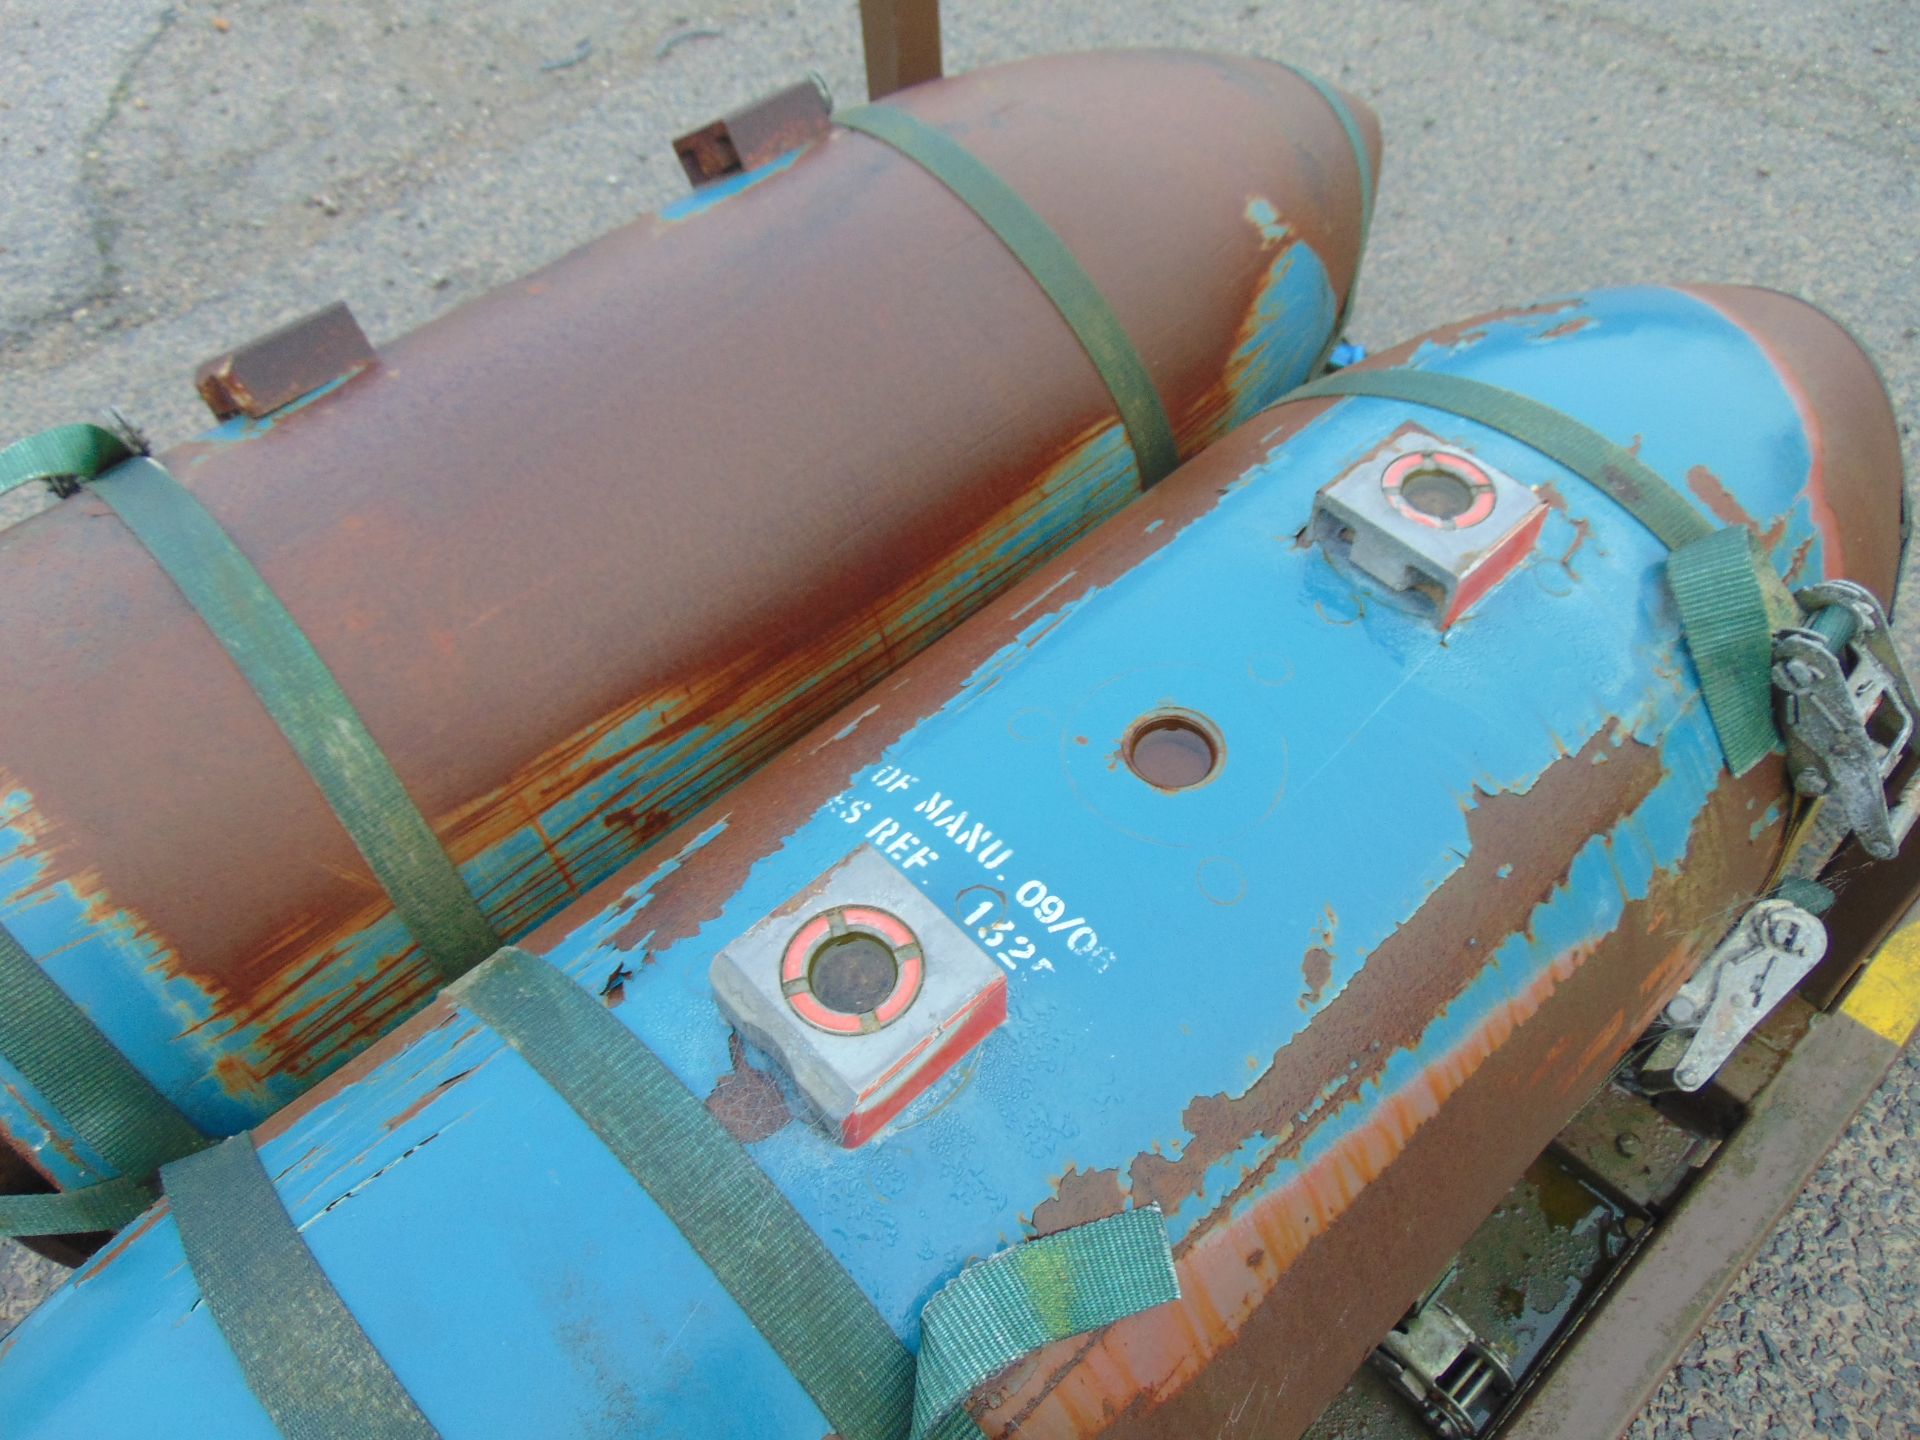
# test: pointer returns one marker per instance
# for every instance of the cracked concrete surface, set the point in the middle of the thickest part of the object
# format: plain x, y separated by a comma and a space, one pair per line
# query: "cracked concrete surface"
175, 187
52, 253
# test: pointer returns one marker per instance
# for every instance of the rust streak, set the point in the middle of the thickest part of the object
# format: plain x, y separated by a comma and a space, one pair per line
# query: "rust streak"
397, 1119
747, 1102
1567, 327
1443, 1147
1582, 527
1417, 970
1728, 511
122, 1242
1316, 970
1797, 567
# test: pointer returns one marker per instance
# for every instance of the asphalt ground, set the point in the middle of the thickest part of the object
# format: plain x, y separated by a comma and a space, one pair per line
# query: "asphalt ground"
181, 177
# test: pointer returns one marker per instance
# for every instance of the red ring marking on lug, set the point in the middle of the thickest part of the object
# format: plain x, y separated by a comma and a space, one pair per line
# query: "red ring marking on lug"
793, 962
906, 989
973, 1023
813, 1012
796, 964
889, 928
1447, 462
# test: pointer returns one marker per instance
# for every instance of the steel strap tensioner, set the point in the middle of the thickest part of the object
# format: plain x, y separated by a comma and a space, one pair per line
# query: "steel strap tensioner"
1846, 711
1433, 1358
1769, 952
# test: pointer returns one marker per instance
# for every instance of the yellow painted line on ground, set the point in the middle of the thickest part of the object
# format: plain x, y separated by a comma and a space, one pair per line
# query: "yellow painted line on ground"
1886, 998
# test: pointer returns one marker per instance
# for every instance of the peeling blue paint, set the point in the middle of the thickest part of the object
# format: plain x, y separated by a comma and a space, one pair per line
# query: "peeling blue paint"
1294, 314
97, 956
480, 1208
1768, 819
709, 196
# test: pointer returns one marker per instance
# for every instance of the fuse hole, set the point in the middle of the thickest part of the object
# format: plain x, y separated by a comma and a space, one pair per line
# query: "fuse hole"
1173, 750
1438, 493
853, 974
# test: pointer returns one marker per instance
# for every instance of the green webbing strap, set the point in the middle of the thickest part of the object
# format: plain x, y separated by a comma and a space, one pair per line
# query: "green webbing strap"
1362, 159
1052, 266
304, 1356
1728, 598
817, 1320
114, 1109
1363, 165
1723, 613
46, 1036
1034, 1294
1558, 436
307, 703
106, 1206
809, 1309
63, 457
1809, 895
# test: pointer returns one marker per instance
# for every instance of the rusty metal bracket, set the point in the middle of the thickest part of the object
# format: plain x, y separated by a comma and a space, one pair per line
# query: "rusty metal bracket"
282, 365
749, 137
1625, 1147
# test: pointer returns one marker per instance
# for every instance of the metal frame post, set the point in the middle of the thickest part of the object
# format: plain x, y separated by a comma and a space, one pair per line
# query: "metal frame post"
902, 41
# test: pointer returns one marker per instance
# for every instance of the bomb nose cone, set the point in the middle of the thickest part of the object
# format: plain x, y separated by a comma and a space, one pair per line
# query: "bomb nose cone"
1855, 485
